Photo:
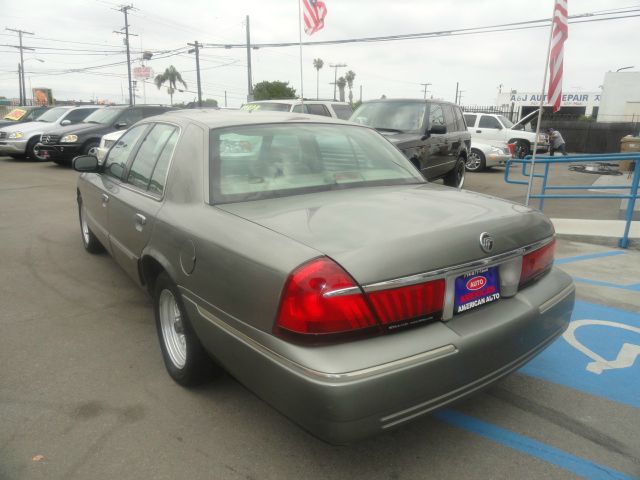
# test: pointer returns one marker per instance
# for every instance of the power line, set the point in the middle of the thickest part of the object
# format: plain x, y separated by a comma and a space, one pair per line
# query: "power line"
23, 88
505, 27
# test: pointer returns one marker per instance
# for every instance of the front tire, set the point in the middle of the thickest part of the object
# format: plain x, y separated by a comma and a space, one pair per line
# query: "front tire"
455, 178
476, 161
30, 151
91, 149
89, 241
522, 149
184, 357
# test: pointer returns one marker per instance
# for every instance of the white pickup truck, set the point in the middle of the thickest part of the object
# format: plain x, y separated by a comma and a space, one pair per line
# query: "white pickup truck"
498, 130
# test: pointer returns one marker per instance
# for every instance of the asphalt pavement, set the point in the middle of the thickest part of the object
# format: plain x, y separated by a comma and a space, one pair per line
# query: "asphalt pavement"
84, 393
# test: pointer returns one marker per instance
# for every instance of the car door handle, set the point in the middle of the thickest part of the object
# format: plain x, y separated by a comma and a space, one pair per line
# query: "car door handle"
105, 198
140, 219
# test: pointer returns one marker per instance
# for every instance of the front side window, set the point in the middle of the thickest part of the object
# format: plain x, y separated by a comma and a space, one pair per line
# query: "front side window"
266, 161
470, 119
395, 116
116, 160
436, 115
159, 175
489, 122
130, 117
450, 119
104, 116
152, 146
505, 121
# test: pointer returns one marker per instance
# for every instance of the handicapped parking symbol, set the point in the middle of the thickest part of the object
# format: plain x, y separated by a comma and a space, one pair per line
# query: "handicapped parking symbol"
626, 355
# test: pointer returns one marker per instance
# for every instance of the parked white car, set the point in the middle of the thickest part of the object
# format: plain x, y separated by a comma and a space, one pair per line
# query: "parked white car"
325, 108
498, 130
482, 156
106, 143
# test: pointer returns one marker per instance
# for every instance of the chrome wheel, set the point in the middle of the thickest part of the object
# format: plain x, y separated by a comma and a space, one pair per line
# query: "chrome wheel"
172, 327
474, 161
93, 151
84, 226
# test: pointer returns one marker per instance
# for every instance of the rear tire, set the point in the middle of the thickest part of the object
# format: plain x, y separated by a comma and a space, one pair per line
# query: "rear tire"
184, 356
476, 161
455, 178
89, 241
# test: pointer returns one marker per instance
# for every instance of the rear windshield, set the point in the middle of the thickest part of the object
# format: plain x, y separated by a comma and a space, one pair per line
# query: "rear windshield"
52, 115
266, 161
391, 116
266, 107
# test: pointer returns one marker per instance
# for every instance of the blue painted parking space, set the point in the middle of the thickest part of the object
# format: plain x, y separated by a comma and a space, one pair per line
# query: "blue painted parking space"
598, 354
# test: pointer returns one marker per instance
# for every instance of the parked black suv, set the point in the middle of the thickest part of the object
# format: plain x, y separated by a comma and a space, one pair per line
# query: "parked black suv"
431, 133
63, 144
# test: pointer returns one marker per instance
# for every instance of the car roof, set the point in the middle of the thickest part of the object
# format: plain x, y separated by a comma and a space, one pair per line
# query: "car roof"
295, 101
229, 118
413, 100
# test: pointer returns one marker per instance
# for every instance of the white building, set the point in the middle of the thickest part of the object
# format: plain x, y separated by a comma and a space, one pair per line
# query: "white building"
620, 97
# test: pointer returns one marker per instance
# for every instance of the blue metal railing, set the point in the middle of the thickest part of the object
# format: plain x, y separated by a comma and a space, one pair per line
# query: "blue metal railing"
546, 161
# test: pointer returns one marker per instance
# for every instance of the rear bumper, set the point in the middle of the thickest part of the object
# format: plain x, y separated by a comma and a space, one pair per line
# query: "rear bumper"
458, 358
13, 147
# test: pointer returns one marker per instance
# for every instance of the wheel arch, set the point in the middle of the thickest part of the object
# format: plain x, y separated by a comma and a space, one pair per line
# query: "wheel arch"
150, 266
518, 139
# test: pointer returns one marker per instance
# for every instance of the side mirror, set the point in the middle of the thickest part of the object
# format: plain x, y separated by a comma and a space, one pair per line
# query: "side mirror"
65, 122
438, 130
86, 163
121, 125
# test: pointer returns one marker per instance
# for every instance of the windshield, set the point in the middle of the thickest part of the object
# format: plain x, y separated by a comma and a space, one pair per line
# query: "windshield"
391, 116
103, 116
52, 115
266, 107
266, 161
505, 121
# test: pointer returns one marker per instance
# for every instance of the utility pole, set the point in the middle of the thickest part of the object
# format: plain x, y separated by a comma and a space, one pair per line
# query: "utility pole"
425, 85
460, 96
457, 86
20, 83
23, 88
335, 77
225, 98
360, 93
196, 48
125, 9
249, 79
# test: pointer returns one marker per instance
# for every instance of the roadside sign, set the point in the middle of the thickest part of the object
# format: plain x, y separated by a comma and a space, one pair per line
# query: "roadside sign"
142, 72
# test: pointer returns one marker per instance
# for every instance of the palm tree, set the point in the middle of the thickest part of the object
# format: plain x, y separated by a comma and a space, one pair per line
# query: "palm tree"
172, 77
318, 64
349, 77
341, 84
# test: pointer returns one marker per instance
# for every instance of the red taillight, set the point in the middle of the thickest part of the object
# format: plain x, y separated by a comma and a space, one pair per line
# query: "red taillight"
308, 306
537, 262
407, 303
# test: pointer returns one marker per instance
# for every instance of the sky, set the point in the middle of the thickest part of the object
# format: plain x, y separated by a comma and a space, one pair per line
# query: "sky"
480, 63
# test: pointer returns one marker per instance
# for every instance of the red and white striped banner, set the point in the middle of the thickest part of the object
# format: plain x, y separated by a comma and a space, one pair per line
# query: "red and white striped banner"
560, 32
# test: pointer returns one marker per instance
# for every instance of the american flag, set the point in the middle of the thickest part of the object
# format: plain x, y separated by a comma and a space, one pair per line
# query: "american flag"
559, 33
314, 13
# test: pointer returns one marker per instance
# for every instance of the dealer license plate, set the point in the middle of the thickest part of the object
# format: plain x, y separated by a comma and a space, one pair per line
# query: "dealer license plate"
476, 288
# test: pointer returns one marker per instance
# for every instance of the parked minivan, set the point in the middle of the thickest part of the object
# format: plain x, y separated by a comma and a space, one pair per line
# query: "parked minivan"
431, 133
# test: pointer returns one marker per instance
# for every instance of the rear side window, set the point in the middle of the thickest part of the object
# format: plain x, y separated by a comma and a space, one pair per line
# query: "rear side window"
343, 112
152, 146
450, 119
470, 119
488, 122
